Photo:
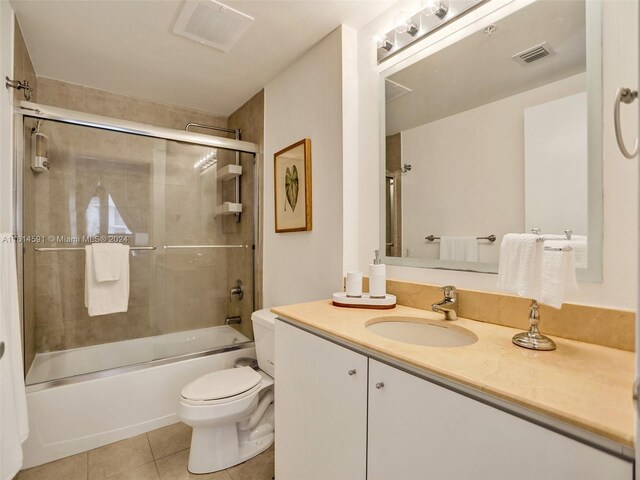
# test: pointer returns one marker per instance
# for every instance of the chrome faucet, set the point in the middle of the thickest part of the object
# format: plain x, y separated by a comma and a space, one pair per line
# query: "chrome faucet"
449, 305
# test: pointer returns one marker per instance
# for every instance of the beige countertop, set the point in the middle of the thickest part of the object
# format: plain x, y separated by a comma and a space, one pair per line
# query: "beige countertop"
584, 385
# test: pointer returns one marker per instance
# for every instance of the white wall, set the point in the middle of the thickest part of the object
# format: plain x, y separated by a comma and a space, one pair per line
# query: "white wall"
467, 176
306, 101
556, 166
620, 44
6, 120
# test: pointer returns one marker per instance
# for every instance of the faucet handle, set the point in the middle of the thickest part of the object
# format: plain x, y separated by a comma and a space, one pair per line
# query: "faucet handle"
450, 291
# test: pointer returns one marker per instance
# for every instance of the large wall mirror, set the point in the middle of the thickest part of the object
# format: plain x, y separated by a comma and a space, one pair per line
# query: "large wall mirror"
499, 132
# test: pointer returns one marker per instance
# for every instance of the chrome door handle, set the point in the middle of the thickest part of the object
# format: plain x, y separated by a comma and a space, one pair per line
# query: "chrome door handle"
379, 385
627, 96
351, 372
1, 349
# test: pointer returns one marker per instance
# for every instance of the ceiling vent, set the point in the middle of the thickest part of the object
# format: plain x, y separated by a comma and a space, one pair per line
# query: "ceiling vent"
533, 54
211, 23
394, 90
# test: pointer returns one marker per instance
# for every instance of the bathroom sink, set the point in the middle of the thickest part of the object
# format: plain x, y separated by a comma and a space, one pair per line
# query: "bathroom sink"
421, 331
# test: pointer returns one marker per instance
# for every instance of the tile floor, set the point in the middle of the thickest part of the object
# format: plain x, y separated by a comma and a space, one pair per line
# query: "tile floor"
158, 455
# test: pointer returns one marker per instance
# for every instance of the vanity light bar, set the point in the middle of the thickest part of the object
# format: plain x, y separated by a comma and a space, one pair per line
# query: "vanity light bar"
410, 29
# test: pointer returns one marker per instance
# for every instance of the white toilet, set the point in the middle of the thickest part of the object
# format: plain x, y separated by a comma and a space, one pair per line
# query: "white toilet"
231, 411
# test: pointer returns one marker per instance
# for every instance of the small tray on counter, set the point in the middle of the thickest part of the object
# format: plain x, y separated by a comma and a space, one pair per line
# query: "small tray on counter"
340, 299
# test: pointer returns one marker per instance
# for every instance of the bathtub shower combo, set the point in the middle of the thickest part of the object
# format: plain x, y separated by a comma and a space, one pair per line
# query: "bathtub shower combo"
184, 202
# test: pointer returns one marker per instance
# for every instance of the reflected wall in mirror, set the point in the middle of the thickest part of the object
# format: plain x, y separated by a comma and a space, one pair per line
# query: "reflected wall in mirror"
491, 135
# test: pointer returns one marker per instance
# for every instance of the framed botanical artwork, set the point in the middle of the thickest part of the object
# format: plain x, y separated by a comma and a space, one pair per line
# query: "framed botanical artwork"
292, 187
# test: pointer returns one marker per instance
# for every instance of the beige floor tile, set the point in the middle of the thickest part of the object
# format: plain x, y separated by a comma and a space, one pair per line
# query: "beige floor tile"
119, 457
70, 468
260, 467
174, 467
170, 439
148, 471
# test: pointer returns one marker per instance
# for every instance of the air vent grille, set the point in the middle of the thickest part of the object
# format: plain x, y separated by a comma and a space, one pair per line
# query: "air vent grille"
533, 54
212, 23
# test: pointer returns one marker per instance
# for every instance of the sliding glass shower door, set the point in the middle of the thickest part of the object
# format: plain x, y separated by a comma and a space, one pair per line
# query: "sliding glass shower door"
164, 200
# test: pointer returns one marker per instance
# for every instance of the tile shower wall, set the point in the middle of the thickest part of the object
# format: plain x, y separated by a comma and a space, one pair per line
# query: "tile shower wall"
250, 120
161, 200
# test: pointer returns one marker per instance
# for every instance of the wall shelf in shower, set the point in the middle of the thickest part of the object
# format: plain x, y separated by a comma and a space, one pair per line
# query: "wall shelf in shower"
229, 171
229, 208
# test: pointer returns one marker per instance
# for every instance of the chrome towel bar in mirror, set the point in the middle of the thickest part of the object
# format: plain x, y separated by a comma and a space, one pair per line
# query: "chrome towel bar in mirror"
491, 238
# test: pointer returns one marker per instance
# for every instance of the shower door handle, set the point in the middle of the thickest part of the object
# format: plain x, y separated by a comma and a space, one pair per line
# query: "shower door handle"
627, 96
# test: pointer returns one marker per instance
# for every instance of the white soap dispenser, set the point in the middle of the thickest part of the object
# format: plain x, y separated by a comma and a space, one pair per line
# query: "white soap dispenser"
377, 277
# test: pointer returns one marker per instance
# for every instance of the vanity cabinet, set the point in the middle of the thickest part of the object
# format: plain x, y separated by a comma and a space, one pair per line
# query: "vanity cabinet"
381, 423
321, 405
419, 430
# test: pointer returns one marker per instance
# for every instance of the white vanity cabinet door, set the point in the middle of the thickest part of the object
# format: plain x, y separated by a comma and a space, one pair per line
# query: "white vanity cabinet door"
420, 431
321, 408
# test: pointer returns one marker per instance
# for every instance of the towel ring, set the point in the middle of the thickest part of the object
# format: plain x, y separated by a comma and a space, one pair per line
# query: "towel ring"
627, 96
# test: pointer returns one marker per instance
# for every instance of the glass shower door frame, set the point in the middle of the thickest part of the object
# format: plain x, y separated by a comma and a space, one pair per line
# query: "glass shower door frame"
31, 110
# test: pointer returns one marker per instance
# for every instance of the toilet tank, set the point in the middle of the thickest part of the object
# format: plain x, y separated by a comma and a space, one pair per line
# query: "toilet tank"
263, 326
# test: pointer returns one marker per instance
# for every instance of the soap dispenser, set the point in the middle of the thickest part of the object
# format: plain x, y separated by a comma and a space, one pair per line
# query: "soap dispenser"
377, 277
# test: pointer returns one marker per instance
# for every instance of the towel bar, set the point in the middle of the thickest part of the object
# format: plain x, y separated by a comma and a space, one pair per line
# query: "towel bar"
66, 249
491, 238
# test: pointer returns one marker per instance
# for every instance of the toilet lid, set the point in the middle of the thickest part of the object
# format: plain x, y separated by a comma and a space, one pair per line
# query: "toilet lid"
222, 384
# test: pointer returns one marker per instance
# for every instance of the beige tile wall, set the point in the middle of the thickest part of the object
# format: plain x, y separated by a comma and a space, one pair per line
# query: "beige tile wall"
90, 100
600, 326
250, 120
159, 193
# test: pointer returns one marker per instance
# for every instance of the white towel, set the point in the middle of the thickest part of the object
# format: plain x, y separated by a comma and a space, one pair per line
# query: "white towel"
102, 298
107, 259
558, 277
521, 264
14, 427
461, 249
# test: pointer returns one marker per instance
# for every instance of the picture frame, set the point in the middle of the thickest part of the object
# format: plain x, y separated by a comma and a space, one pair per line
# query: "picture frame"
292, 187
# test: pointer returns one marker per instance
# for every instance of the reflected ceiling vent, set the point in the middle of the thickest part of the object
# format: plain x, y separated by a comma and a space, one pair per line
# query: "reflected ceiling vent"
394, 90
533, 54
211, 23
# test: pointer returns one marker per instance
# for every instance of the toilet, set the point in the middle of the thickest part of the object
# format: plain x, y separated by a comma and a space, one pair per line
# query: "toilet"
231, 411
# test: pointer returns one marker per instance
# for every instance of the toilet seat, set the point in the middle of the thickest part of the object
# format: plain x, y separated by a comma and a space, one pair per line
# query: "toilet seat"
222, 386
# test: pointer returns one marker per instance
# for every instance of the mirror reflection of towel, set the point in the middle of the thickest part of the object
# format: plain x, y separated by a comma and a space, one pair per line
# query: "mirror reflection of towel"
460, 249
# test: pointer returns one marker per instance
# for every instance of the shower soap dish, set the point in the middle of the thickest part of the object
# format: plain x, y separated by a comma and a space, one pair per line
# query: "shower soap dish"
340, 299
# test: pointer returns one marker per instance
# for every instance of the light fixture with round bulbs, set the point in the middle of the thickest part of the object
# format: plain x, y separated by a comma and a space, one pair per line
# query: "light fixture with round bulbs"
439, 8
410, 28
382, 41
403, 24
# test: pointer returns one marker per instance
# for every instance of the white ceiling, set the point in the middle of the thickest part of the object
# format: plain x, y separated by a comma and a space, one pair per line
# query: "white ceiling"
479, 69
128, 47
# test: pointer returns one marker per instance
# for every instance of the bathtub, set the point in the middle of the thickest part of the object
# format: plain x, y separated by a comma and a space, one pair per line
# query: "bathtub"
133, 388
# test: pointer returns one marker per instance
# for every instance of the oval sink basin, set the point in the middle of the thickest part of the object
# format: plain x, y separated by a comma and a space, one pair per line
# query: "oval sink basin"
421, 331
